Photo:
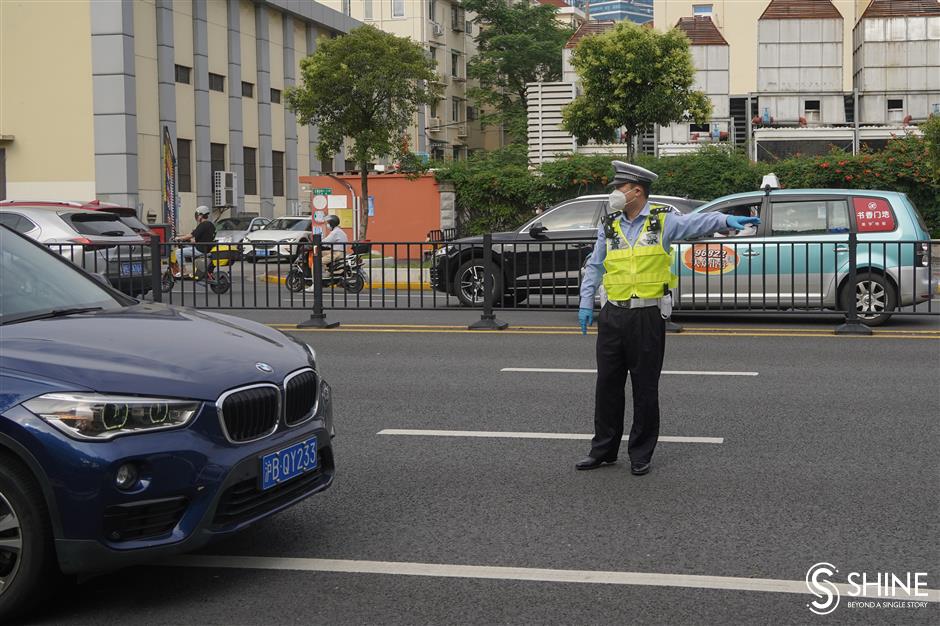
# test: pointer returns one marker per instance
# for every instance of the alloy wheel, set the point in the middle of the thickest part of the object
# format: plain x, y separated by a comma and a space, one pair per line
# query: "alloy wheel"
471, 284
871, 299
11, 543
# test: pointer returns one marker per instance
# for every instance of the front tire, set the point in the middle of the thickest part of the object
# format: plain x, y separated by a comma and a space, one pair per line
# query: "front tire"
167, 281
469, 282
354, 283
874, 298
28, 567
221, 284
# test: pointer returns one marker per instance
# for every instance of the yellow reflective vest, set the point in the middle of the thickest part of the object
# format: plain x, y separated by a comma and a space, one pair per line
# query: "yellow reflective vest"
643, 270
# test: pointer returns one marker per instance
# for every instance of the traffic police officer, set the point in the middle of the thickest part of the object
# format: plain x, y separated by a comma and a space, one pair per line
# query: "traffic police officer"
632, 254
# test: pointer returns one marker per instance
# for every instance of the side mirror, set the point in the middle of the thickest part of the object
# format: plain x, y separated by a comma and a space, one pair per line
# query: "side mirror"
537, 230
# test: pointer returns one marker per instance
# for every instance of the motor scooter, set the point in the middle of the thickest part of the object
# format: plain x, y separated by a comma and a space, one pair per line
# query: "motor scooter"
346, 271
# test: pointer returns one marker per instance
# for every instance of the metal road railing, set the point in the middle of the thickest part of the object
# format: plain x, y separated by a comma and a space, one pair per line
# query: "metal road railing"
866, 280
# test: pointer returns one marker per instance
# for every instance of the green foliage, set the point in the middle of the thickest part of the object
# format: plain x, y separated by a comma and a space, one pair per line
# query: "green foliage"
931, 130
495, 190
518, 43
633, 77
498, 192
366, 86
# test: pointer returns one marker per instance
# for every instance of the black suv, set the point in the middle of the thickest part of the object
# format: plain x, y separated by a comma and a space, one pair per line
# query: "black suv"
544, 256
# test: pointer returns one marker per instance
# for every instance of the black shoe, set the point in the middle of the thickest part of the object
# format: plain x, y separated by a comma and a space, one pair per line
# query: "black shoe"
589, 463
638, 469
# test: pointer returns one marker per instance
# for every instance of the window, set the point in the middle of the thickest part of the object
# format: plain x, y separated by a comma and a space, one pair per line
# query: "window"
184, 165
432, 10
811, 110
248, 90
807, 217
183, 74
251, 172
454, 64
347, 7
434, 109
471, 114
455, 110
277, 173
17, 222
367, 9
741, 210
895, 109
432, 54
700, 128
216, 82
217, 155
398, 8
572, 216
704, 10
276, 96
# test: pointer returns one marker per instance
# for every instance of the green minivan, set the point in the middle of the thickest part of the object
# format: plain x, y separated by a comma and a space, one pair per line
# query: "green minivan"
798, 257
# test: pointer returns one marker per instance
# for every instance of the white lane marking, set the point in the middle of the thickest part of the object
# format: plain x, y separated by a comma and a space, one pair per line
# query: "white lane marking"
520, 435
443, 570
552, 370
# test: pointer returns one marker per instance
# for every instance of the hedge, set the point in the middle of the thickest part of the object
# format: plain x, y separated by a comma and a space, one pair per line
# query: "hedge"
497, 191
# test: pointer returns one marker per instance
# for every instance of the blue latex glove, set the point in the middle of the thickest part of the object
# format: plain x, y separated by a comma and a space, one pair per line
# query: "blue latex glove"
739, 223
585, 318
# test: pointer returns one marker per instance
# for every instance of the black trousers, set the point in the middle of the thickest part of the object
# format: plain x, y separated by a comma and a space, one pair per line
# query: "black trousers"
628, 341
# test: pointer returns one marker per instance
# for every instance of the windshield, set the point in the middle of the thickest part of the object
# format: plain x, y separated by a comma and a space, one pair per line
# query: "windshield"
135, 224
289, 223
233, 223
101, 224
33, 281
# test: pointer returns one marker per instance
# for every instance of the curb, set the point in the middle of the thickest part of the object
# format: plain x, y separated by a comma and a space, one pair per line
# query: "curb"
403, 285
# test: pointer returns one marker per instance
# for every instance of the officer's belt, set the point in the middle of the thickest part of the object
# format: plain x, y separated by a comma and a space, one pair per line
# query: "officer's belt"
636, 303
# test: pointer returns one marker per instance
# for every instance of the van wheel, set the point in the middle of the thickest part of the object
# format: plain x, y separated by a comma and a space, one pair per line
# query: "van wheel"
27, 556
874, 298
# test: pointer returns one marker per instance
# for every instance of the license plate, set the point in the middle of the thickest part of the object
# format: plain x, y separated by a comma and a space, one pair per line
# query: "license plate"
261, 252
290, 462
132, 269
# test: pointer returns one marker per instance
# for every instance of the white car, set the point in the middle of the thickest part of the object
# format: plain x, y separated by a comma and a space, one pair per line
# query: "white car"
233, 229
279, 239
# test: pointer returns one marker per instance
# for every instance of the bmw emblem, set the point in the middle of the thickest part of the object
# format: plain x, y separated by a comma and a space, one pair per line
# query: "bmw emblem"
264, 367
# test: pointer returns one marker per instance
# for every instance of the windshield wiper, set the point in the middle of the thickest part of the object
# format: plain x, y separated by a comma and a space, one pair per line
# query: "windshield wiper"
53, 313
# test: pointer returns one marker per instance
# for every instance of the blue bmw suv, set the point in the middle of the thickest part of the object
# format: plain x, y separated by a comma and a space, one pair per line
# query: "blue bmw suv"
130, 431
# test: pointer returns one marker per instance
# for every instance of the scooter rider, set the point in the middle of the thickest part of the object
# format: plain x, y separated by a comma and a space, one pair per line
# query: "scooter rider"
203, 234
335, 235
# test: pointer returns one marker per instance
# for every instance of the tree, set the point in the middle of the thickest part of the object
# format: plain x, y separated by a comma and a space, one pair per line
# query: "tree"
518, 43
366, 86
633, 77
931, 130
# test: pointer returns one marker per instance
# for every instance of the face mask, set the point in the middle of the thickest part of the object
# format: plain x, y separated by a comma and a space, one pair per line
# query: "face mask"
617, 200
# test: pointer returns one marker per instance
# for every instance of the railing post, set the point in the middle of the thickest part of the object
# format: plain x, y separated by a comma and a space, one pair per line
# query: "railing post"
488, 319
156, 274
852, 326
318, 317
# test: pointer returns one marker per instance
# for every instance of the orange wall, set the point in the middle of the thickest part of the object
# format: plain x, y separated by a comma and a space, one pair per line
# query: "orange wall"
405, 210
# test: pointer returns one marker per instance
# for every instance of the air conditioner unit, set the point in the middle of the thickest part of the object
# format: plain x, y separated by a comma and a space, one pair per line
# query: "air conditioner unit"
437, 29
462, 130
434, 124
224, 189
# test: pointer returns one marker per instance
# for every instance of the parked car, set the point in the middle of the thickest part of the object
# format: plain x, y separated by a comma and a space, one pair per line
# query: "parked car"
798, 256
278, 239
132, 431
545, 257
98, 240
125, 214
233, 229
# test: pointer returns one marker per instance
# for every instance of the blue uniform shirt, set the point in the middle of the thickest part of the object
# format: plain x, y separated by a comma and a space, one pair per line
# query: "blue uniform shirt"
677, 227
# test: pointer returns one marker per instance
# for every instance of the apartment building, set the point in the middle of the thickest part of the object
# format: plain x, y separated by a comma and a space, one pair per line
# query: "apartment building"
449, 129
639, 11
784, 76
94, 94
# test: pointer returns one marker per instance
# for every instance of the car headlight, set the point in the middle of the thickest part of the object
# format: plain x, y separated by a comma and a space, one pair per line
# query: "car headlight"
99, 417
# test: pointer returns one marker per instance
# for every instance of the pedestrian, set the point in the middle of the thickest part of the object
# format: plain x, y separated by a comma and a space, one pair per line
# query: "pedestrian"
633, 255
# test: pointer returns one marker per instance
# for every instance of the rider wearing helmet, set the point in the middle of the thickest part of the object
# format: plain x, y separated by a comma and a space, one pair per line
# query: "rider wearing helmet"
203, 235
335, 236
